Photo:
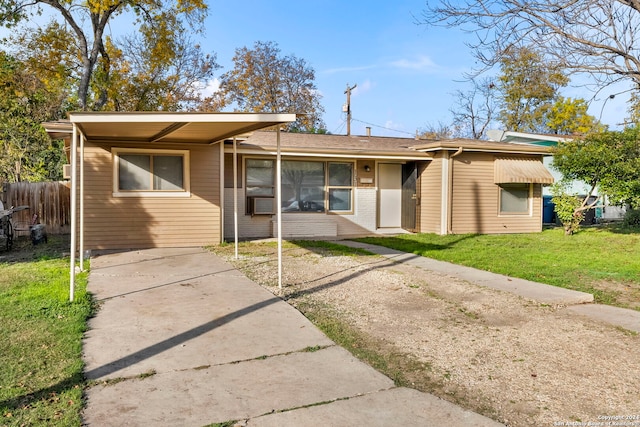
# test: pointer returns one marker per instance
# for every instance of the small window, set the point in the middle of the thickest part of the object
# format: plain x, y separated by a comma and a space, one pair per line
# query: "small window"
151, 172
259, 182
514, 199
340, 188
260, 177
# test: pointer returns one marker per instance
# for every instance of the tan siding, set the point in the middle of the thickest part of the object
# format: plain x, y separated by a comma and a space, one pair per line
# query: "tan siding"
430, 197
475, 199
136, 222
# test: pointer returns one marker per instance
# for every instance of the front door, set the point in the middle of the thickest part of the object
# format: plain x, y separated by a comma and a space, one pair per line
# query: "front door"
390, 195
409, 196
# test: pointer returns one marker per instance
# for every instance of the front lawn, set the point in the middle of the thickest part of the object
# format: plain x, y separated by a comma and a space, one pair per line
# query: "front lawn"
41, 380
604, 261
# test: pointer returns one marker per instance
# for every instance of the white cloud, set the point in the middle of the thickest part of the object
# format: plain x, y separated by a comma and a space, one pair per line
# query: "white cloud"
419, 63
213, 86
390, 124
210, 88
349, 69
363, 87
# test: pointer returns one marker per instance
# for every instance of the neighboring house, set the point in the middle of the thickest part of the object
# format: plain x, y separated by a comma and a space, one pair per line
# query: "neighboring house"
166, 179
540, 140
607, 212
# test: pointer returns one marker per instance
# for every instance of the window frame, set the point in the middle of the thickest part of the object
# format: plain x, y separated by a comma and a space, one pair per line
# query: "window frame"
245, 183
326, 187
323, 187
529, 210
116, 152
329, 187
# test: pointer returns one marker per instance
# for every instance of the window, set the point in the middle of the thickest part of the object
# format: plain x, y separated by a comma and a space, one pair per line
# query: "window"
307, 186
340, 189
260, 183
514, 198
302, 186
260, 178
151, 172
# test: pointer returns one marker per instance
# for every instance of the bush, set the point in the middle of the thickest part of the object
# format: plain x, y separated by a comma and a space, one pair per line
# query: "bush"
567, 208
632, 218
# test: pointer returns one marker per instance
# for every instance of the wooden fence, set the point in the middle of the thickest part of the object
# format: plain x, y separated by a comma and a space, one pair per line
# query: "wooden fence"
50, 200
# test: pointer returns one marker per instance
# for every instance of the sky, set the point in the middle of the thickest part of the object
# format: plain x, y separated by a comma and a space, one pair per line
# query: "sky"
406, 74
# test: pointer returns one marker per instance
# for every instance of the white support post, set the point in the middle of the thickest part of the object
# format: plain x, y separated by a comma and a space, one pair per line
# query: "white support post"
221, 189
74, 196
278, 207
235, 196
81, 236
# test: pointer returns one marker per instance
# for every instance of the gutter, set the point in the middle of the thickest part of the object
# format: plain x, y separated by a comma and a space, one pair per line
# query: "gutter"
450, 189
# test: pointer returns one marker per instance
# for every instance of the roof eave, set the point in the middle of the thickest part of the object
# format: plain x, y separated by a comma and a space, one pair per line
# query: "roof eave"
311, 152
506, 148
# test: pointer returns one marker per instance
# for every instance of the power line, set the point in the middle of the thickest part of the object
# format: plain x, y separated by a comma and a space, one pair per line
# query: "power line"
383, 127
339, 128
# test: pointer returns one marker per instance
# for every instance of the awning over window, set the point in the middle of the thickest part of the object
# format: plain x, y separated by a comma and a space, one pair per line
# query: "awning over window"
520, 171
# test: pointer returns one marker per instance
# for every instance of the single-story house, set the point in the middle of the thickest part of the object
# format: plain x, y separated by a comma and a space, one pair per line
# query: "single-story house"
167, 179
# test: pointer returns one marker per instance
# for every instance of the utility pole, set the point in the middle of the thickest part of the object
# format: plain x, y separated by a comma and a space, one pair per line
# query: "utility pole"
348, 106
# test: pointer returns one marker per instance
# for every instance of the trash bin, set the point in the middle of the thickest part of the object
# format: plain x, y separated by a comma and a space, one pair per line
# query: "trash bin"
590, 214
548, 210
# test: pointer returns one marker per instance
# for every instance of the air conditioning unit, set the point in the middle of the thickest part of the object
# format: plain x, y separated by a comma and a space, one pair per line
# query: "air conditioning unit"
66, 171
262, 206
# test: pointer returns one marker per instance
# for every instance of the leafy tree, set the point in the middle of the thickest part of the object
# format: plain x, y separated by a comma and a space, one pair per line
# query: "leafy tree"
590, 36
569, 116
82, 29
528, 88
139, 82
608, 160
263, 80
27, 153
634, 109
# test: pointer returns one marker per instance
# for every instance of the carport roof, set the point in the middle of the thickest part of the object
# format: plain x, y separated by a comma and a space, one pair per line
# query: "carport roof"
164, 127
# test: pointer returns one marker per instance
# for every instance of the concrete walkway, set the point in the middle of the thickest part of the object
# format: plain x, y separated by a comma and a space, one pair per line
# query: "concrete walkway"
182, 338
579, 303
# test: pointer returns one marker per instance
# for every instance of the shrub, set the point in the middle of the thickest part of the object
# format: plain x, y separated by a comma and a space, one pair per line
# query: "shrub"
567, 209
632, 218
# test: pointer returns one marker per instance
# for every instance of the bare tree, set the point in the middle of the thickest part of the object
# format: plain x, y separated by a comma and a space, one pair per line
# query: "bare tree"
475, 109
436, 131
598, 37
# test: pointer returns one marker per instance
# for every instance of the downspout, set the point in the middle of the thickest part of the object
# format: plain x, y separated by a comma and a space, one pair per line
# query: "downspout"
450, 190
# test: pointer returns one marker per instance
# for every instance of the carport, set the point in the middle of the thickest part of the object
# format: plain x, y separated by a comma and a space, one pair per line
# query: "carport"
159, 132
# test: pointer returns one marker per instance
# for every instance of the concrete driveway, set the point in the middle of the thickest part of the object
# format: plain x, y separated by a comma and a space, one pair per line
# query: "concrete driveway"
182, 338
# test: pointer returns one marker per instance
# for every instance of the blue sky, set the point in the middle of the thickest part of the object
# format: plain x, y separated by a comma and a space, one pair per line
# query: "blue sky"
406, 74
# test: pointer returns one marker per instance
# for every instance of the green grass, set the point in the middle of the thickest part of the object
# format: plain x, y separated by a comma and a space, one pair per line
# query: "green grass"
41, 380
604, 261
